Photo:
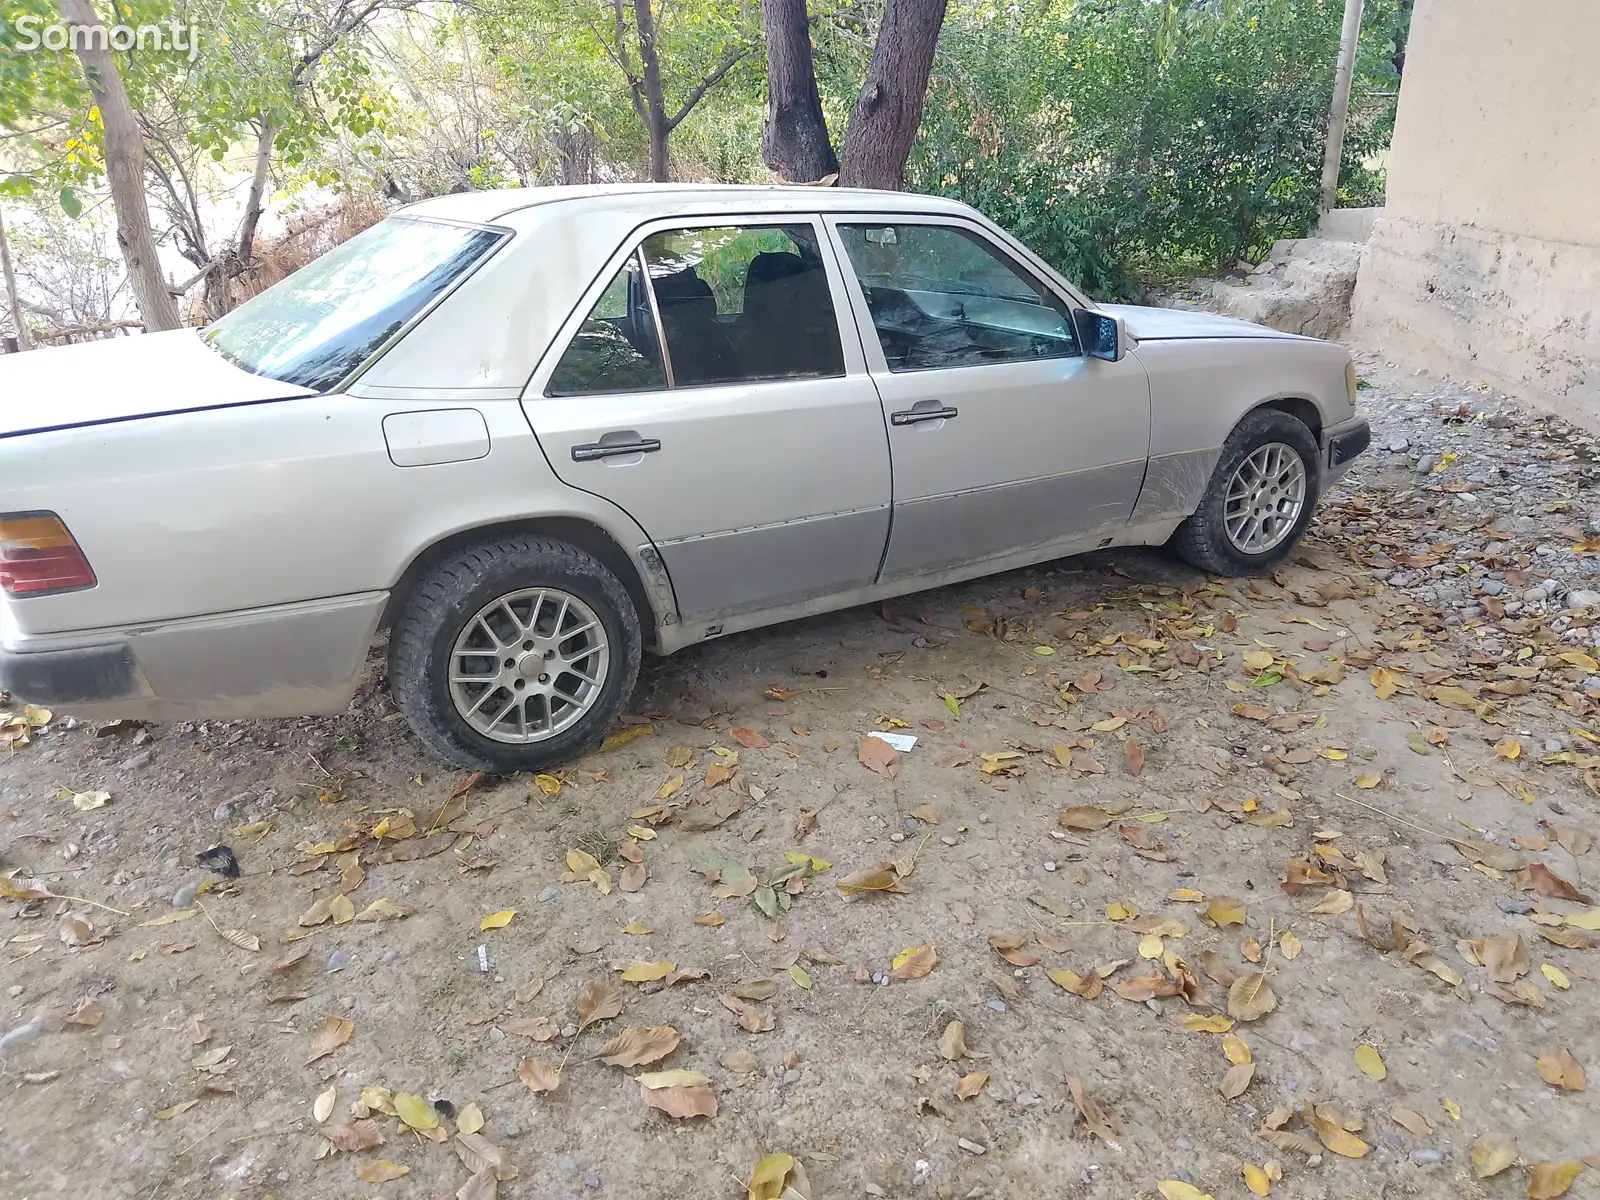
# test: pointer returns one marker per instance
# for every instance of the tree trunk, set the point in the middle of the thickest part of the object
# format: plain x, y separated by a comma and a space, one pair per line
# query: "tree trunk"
654, 100
888, 111
124, 168
11, 289
1333, 152
794, 142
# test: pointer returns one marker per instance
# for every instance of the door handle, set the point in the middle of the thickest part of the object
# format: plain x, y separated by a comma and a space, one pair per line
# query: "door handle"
914, 416
594, 450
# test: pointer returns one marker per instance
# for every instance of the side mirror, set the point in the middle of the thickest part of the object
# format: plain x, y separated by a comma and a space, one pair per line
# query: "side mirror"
1101, 335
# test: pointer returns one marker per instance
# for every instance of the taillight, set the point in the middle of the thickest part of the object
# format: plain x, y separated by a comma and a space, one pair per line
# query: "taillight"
39, 556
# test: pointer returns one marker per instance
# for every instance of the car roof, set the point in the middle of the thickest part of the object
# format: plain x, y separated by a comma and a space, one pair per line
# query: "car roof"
669, 198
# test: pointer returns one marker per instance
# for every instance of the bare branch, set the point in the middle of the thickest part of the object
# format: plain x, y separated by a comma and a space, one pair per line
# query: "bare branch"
729, 61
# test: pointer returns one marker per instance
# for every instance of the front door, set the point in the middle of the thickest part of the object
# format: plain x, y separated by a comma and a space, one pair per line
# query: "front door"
1004, 437
709, 393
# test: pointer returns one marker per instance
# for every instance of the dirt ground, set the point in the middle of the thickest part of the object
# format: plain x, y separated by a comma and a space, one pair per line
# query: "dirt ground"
1390, 703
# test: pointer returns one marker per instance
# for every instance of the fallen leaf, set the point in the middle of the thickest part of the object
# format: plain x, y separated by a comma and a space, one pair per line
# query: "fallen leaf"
1289, 946
1176, 1189
1257, 1180
1236, 1079
1371, 1063
625, 735
470, 1119
357, 1135
335, 1032
756, 989
1504, 955
1548, 1180
748, 737
1368, 780
953, 1042
1555, 975
1086, 818
1560, 1069
877, 755
1133, 757
599, 1000
970, 1085
1335, 1137
1547, 883
415, 1111
1493, 1153
868, 879
1097, 1120
322, 1106
1251, 997
638, 1046
497, 920
1235, 1049
1223, 910
647, 972
679, 1094
1412, 1121
381, 1171
914, 962
538, 1077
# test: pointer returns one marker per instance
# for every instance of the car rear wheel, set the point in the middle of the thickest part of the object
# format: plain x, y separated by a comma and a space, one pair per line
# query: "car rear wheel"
515, 655
1259, 500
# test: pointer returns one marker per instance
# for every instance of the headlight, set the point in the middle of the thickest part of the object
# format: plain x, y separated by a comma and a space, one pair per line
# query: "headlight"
1350, 382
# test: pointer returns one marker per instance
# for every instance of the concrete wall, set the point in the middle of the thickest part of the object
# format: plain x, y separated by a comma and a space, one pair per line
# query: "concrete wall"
1486, 262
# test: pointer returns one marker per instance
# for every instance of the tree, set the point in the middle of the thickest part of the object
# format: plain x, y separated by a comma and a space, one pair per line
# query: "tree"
794, 140
125, 162
888, 112
13, 298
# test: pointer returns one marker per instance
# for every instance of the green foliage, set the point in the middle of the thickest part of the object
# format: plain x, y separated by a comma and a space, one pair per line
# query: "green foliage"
1130, 141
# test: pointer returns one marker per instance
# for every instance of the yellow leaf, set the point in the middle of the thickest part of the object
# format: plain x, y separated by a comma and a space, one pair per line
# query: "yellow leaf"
1368, 780
637, 929
580, 863
798, 974
1507, 749
1383, 683
1335, 755
1493, 1153
623, 736
1150, 946
497, 920
171, 918
1176, 1189
1118, 911
669, 787
381, 1171
1549, 1180
470, 1119
771, 1173
1236, 1049
1257, 660
1046, 651
645, 972
641, 833
548, 784
415, 1111
1555, 976
1589, 920
601, 879
1256, 1180
655, 1080
1371, 1063
322, 1106
177, 1110
1290, 946
1454, 1109
1204, 1024
1339, 1139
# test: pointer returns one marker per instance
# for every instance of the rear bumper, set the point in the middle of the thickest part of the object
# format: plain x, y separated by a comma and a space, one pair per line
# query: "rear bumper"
287, 660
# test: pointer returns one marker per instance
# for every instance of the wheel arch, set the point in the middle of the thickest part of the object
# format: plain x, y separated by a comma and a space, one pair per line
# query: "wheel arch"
586, 535
1299, 407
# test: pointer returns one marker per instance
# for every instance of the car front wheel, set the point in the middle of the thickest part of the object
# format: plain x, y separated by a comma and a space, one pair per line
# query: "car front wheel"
1259, 500
515, 655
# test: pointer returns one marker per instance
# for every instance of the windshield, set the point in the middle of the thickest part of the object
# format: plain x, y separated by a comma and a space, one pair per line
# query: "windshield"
326, 319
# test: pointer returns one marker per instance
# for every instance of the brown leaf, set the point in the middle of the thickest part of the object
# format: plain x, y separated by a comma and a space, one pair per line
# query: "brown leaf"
482, 1186
1133, 757
381, 1171
335, 1032
632, 877
923, 960
538, 1076
953, 1042
638, 1045
1498, 857
1236, 1079
869, 879
1334, 1136
477, 1153
680, 1101
1570, 938
877, 755
1217, 968
599, 1000
1414, 1122
1547, 883
746, 736
1089, 988
1250, 998
1086, 818
89, 1014
1289, 1140
1098, 1121
357, 1135
757, 989
1549, 1180
1493, 1153
1505, 956
971, 1084
540, 1029
1145, 987
1335, 902
1560, 1069
741, 1061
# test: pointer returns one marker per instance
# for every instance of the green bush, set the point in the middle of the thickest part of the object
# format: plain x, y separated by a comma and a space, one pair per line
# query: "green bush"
1129, 141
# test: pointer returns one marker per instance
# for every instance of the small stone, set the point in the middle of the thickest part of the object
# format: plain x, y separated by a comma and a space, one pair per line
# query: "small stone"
1444, 855
1427, 463
995, 1005
14, 990
497, 1034
873, 1189
877, 977
1183, 1142
971, 1147
135, 762
912, 824
1399, 445
1551, 745
983, 818
1583, 598
792, 1075
1516, 907
591, 1181
1050, 865
1535, 595
1314, 1161
569, 1031
548, 894
1029, 1099
1427, 1156
222, 812
897, 837
948, 841
511, 1131
1492, 587
338, 960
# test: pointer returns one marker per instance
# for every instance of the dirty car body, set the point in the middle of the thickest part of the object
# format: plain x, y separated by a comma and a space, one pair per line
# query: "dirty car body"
649, 416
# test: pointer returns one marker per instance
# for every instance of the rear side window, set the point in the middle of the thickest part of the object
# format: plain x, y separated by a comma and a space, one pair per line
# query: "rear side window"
615, 349
744, 303
941, 296
329, 317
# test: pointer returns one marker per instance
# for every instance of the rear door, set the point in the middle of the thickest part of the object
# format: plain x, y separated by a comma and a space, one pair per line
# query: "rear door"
705, 387
1004, 437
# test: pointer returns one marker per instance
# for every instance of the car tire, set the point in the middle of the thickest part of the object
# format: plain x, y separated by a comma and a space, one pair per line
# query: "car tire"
471, 600
1210, 538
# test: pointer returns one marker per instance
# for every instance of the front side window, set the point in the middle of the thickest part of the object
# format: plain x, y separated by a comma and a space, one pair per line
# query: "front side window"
615, 349
329, 317
941, 296
744, 303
